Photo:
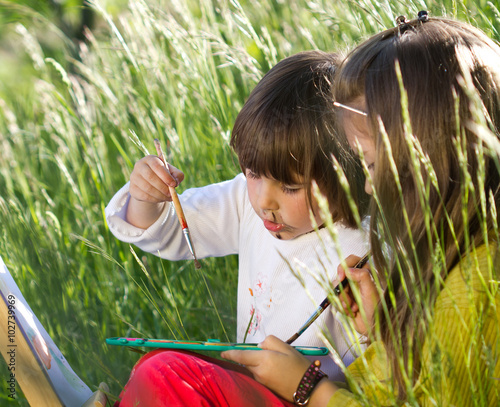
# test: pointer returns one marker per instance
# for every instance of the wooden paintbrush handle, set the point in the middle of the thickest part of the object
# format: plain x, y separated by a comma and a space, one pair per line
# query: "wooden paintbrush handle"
178, 207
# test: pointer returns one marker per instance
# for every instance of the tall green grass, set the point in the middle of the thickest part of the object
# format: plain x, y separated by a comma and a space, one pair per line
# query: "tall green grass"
174, 70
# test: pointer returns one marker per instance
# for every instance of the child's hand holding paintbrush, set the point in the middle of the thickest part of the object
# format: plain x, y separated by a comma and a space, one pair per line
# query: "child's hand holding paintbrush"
362, 277
152, 183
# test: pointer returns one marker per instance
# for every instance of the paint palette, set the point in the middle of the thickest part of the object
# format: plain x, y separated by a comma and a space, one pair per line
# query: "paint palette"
209, 345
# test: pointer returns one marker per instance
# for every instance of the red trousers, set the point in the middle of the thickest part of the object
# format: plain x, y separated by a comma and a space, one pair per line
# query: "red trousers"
175, 378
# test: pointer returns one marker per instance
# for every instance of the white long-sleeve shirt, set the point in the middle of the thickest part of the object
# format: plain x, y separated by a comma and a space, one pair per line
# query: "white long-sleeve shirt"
222, 222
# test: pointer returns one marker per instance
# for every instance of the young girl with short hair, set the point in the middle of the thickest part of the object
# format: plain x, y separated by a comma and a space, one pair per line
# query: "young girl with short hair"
284, 140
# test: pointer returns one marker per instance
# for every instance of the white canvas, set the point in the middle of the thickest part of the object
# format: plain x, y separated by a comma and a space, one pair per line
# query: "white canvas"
70, 389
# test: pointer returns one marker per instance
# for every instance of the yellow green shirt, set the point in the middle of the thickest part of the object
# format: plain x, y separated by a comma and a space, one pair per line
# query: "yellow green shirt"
461, 352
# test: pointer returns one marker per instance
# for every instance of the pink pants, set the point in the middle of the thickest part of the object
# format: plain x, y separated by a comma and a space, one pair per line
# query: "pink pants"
175, 378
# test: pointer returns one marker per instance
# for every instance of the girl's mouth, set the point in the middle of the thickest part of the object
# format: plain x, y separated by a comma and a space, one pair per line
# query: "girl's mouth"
273, 226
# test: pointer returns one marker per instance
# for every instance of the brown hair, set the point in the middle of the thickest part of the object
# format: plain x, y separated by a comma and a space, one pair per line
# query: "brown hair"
435, 58
286, 128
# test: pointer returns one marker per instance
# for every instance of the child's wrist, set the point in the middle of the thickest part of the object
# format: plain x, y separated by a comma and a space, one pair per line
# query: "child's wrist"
143, 214
322, 393
310, 380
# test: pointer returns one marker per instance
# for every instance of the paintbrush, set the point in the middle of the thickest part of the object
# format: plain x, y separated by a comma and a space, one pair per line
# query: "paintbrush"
326, 302
178, 207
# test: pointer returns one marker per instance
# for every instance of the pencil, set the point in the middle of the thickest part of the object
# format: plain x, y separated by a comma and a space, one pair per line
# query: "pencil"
178, 207
326, 302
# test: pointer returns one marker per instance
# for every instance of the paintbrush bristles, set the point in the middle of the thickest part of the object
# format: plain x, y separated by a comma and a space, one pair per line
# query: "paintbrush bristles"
177, 204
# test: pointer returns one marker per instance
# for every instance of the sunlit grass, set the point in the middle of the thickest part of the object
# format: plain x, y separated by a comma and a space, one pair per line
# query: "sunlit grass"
174, 70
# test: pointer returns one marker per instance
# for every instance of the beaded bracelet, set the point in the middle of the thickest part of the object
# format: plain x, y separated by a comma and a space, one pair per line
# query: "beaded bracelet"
311, 378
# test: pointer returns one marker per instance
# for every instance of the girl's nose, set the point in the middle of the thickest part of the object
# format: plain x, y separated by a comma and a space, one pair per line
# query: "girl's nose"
368, 187
267, 196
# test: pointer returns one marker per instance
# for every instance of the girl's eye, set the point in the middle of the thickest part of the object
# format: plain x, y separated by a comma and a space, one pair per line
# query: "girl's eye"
290, 189
371, 167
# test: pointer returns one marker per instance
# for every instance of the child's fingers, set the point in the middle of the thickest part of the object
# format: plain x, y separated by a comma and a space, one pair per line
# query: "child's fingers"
364, 303
248, 358
146, 186
349, 306
346, 298
359, 276
254, 358
340, 276
150, 181
277, 345
277, 366
170, 177
148, 195
350, 262
177, 174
